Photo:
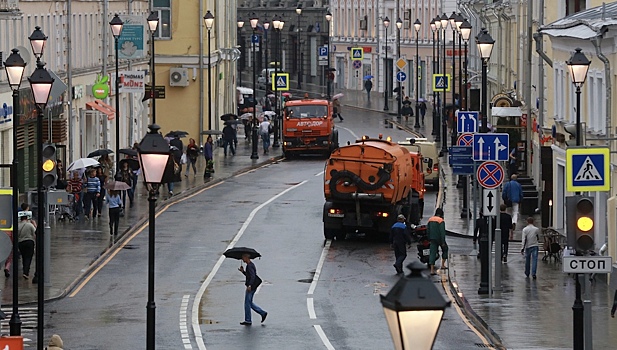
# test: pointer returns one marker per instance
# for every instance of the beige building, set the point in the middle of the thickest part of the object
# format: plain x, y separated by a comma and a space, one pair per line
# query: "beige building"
182, 56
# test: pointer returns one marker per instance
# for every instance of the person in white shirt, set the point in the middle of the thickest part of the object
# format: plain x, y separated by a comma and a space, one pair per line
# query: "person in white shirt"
264, 131
531, 235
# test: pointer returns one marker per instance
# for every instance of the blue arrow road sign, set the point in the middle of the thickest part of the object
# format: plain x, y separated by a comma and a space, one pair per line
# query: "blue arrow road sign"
491, 147
254, 38
323, 51
467, 121
401, 76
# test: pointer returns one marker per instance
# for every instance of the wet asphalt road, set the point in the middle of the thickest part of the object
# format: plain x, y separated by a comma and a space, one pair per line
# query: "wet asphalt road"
199, 295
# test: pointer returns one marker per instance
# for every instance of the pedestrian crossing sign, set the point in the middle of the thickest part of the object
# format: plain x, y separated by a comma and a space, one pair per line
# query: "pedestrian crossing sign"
280, 82
441, 82
587, 169
357, 54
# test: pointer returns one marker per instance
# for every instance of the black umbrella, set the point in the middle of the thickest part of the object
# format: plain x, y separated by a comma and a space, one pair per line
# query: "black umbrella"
133, 163
128, 151
237, 252
100, 152
177, 134
229, 116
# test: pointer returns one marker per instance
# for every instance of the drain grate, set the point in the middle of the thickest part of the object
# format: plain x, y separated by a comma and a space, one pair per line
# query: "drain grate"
488, 346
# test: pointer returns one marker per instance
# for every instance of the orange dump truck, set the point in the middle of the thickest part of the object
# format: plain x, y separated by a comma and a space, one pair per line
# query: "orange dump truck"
366, 185
308, 127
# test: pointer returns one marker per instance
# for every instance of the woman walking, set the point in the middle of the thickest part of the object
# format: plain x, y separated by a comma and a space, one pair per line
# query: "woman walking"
192, 152
25, 237
126, 176
114, 203
99, 200
208, 149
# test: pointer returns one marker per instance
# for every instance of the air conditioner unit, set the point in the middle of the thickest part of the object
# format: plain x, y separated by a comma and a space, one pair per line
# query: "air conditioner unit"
179, 77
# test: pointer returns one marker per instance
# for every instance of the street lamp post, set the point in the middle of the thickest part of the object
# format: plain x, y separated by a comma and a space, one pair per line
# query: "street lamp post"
153, 157
328, 87
299, 57
437, 112
452, 20
465, 35
465, 32
416, 26
153, 23
578, 65
40, 83
209, 22
254, 20
444, 113
240, 24
14, 67
266, 40
386, 24
414, 309
435, 131
399, 24
278, 23
458, 22
485, 46
116, 29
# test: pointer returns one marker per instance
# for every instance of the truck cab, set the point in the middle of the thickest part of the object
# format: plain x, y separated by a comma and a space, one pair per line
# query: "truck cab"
308, 127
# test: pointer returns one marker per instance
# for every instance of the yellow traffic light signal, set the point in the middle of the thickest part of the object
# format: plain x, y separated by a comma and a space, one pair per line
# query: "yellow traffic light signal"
581, 222
49, 168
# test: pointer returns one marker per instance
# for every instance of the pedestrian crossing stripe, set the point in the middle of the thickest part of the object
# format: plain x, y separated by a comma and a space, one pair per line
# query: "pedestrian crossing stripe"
441, 82
281, 82
587, 169
357, 53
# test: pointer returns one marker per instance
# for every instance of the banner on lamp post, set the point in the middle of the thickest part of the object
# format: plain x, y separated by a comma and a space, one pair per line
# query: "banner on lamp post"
131, 39
133, 81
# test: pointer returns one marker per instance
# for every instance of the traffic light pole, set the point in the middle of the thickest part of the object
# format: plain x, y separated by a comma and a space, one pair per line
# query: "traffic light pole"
578, 318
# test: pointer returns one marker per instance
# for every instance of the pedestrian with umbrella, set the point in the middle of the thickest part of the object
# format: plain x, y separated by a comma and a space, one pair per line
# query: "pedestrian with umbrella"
208, 153
108, 165
252, 281
126, 176
192, 152
368, 85
406, 110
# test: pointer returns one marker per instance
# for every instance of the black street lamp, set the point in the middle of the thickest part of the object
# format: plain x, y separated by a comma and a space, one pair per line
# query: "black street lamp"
116, 29
153, 24
444, 113
386, 24
328, 72
278, 24
266, 40
578, 65
416, 25
14, 67
465, 35
40, 83
240, 24
465, 32
452, 19
299, 57
435, 65
209, 22
437, 113
153, 157
399, 24
414, 308
458, 22
485, 47
254, 20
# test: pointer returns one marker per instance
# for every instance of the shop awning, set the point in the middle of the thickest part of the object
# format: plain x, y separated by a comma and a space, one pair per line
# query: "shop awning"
506, 112
98, 105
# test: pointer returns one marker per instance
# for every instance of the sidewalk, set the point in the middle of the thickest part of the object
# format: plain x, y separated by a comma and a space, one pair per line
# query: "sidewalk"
75, 246
526, 313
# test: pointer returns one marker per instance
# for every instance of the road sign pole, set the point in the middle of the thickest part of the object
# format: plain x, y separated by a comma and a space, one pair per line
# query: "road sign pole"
490, 256
498, 247
578, 334
587, 314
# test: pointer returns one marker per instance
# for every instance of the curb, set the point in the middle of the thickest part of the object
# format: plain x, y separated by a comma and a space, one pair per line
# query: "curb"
97, 261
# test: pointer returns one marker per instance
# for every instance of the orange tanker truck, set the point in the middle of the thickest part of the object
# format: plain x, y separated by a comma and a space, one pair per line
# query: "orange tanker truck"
366, 185
308, 127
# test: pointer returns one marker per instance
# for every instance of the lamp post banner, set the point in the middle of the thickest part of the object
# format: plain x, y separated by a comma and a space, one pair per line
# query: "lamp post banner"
131, 40
133, 81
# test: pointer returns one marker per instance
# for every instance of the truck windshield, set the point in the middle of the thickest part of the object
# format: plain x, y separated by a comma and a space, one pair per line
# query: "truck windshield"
306, 111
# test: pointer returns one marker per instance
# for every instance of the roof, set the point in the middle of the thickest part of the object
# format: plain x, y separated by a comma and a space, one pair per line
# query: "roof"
585, 24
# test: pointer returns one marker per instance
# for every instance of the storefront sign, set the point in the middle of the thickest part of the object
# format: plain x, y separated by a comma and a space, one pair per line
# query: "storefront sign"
5, 113
133, 81
100, 89
131, 40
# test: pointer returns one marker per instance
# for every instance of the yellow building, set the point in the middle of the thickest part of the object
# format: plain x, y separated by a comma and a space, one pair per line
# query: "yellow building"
181, 59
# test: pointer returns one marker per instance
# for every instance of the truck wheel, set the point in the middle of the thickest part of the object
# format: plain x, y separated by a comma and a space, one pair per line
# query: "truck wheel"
341, 235
421, 212
329, 233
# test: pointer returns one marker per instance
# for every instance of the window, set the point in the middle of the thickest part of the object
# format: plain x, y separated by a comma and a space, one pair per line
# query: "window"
574, 6
163, 7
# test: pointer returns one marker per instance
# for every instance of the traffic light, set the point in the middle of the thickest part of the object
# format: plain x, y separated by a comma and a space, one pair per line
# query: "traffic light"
50, 168
580, 219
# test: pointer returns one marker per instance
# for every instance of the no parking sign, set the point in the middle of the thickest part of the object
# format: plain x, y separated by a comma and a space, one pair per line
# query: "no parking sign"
490, 174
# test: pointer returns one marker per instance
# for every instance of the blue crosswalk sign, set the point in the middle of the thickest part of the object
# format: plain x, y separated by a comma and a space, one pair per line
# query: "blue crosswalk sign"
467, 121
441, 82
491, 147
587, 169
401, 76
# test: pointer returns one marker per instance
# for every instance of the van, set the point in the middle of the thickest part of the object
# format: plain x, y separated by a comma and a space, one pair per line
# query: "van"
431, 158
264, 81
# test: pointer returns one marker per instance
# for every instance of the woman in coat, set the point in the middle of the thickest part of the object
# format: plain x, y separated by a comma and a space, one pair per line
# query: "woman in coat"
192, 152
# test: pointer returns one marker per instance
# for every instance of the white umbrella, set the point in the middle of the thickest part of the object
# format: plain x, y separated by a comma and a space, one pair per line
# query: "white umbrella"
82, 163
337, 96
246, 116
269, 113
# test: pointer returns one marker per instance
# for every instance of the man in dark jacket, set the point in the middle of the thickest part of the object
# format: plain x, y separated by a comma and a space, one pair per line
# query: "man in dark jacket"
229, 135
251, 287
399, 239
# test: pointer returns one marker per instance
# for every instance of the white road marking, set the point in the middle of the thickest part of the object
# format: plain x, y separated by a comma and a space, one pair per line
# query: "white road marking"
349, 130
202, 289
319, 174
311, 308
324, 252
184, 330
323, 337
